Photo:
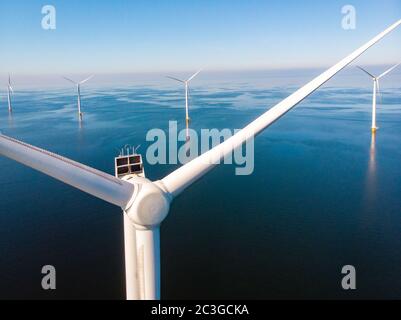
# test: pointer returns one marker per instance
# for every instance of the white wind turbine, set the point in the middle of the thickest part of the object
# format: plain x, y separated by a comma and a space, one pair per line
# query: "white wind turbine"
10, 91
145, 203
376, 90
78, 84
186, 85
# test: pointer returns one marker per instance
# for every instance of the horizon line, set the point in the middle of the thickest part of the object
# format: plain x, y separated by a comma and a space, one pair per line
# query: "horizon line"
180, 71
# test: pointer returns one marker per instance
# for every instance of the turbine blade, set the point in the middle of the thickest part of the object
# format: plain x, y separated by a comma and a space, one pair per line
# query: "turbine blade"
368, 73
193, 76
182, 178
72, 81
148, 240
86, 80
89, 180
176, 79
131, 263
388, 71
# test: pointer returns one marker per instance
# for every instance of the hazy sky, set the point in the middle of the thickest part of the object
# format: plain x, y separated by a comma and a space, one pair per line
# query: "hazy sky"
174, 35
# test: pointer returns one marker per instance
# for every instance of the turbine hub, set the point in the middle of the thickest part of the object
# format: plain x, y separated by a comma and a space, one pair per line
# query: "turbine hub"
150, 204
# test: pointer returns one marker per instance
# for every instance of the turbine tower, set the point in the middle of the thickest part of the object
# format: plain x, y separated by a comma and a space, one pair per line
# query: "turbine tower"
376, 90
145, 203
186, 85
78, 84
10, 91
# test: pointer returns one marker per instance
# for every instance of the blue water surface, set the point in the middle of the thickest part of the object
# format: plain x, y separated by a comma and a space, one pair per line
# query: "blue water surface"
324, 194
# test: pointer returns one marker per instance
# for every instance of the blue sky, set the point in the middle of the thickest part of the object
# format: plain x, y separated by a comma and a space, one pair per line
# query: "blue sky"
157, 36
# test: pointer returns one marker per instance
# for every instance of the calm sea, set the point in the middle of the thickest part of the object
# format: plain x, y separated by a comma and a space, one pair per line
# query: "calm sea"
324, 194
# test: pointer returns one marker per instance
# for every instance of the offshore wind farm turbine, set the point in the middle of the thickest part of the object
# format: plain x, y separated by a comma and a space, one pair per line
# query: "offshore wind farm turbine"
146, 203
376, 90
186, 85
78, 84
10, 91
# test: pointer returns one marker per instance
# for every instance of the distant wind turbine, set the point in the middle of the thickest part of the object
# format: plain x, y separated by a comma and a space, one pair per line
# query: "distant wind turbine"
146, 203
186, 85
78, 84
376, 90
10, 91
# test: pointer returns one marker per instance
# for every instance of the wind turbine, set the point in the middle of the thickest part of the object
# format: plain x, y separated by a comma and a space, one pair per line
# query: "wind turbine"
78, 84
10, 91
376, 90
186, 85
146, 203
